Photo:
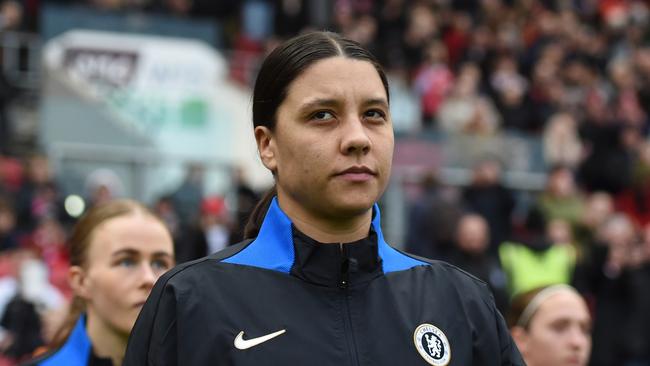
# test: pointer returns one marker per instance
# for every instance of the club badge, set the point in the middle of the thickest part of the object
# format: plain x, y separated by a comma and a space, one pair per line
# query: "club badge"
432, 345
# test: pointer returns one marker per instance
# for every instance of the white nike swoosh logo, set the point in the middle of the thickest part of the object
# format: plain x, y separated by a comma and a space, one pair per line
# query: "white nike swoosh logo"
241, 343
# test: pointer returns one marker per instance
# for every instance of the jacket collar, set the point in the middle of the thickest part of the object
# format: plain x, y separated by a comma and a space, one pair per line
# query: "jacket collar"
335, 264
77, 350
274, 247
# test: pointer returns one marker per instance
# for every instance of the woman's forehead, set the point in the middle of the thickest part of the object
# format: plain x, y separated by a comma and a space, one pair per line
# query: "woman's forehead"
564, 304
135, 231
337, 77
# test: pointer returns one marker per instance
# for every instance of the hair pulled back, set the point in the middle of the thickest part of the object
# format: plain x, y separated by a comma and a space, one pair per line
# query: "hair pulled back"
79, 245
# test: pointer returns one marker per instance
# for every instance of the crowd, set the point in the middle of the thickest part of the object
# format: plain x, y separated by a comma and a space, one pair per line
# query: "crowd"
575, 75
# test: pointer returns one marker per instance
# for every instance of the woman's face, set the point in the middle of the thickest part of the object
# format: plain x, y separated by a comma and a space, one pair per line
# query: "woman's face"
559, 333
332, 147
126, 256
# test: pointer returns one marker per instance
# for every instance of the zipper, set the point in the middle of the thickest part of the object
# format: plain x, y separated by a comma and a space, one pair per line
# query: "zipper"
344, 283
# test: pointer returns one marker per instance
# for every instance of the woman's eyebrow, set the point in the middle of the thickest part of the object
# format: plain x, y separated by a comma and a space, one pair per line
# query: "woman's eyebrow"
161, 254
320, 102
376, 101
125, 251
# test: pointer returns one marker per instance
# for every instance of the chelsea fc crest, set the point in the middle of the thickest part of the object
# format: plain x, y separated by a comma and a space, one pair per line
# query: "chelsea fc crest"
432, 345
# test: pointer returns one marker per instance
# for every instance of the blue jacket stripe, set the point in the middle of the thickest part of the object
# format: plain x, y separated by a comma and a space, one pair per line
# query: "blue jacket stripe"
392, 260
273, 247
75, 351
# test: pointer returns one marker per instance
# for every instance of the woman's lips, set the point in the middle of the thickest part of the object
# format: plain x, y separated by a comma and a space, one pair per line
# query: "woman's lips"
357, 174
357, 177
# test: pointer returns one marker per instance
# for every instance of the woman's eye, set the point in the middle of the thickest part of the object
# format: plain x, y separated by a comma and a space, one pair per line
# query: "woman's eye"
560, 326
160, 265
126, 262
375, 114
322, 115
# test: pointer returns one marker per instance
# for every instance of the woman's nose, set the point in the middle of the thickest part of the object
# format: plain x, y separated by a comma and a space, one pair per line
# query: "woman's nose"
148, 275
355, 138
577, 338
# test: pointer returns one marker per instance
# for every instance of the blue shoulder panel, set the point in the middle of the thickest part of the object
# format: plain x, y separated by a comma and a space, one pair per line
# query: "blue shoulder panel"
392, 260
273, 247
75, 351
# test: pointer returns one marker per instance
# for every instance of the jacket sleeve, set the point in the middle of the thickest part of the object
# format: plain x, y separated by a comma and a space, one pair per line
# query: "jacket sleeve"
153, 340
508, 350
493, 344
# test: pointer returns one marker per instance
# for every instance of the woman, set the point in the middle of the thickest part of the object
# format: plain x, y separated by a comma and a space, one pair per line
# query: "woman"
117, 252
551, 326
285, 297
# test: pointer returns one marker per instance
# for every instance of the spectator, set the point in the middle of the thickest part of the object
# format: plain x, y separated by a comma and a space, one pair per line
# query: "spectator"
510, 94
487, 196
433, 217
11, 13
433, 80
7, 93
164, 208
471, 254
634, 200
21, 317
609, 278
102, 186
457, 36
546, 89
610, 145
599, 207
215, 224
422, 25
8, 233
561, 142
627, 108
404, 104
466, 110
641, 346
38, 197
48, 242
536, 259
246, 199
561, 199
187, 197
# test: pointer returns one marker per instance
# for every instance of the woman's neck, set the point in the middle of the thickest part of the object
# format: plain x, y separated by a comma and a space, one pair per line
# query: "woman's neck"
106, 342
327, 230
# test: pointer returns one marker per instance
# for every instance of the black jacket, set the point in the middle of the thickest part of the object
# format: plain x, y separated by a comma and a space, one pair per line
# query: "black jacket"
361, 303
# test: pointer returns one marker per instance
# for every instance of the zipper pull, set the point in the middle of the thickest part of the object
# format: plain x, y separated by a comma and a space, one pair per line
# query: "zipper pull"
345, 269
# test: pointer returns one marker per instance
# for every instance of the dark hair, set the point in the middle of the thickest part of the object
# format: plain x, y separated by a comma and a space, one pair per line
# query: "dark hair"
79, 244
280, 68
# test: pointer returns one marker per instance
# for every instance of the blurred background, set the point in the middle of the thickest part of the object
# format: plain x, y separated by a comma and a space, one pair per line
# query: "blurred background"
522, 151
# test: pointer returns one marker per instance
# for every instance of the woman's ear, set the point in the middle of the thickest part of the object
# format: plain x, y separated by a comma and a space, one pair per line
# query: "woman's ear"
520, 336
79, 282
266, 147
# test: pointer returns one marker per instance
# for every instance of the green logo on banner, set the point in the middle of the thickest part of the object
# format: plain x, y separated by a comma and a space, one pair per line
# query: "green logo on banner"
193, 113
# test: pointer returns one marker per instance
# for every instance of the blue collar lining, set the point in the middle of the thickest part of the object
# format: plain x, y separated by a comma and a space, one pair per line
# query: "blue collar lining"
75, 351
273, 248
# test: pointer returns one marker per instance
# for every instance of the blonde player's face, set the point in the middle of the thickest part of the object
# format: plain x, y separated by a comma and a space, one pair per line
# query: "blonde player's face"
126, 256
332, 146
